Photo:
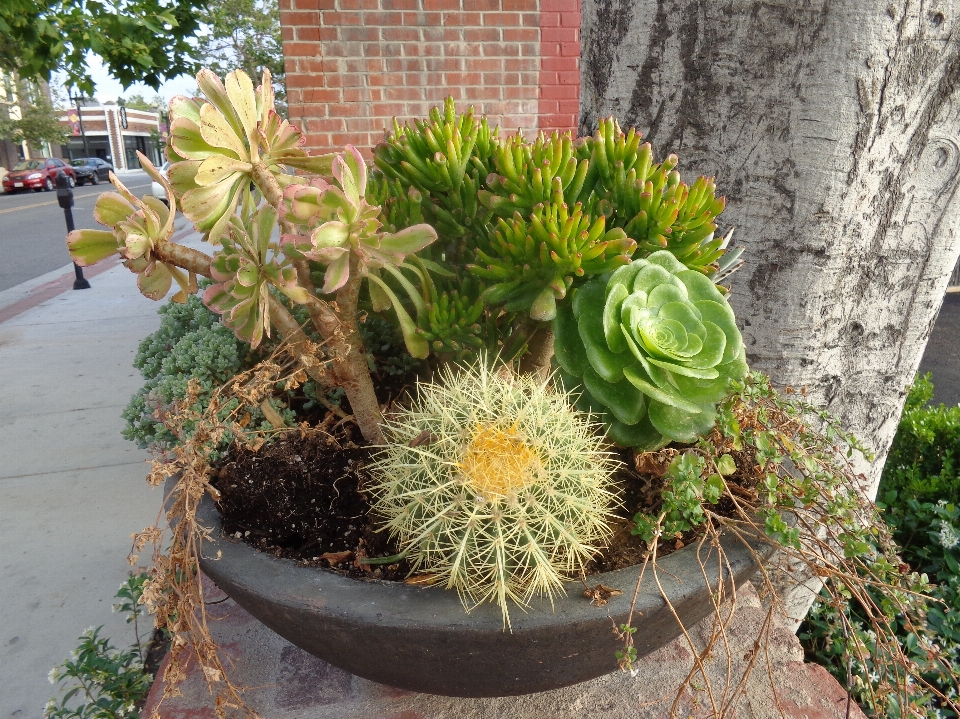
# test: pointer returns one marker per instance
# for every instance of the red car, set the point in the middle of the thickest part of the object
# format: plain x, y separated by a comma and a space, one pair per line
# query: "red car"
37, 174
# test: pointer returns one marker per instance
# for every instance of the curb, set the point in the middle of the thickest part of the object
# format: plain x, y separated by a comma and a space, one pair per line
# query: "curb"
18, 299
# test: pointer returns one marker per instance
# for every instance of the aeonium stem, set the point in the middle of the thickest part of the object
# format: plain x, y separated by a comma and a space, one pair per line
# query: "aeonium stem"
183, 257
269, 186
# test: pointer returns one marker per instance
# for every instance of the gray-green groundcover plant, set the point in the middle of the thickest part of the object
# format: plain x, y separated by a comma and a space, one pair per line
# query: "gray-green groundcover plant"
576, 280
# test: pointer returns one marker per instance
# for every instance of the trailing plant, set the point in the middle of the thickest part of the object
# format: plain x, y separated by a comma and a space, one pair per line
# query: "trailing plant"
924, 519
783, 466
655, 346
100, 681
493, 485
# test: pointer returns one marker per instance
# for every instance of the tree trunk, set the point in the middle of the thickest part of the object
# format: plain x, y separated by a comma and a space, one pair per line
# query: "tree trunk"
832, 129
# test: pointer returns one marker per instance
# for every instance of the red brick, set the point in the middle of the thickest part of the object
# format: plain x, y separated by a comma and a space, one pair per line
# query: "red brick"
399, 4
315, 33
559, 34
300, 18
284, 5
404, 64
439, 94
570, 19
525, 34
328, 124
482, 34
529, 78
570, 49
550, 19
531, 19
462, 49
322, 94
316, 4
570, 106
387, 109
462, 78
560, 5
444, 64
383, 19
286, 33
339, 19
520, 64
298, 80
343, 79
500, 49
560, 64
532, 49
518, 92
483, 64
301, 49
373, 65
343, 49
484, 92
400, 34
462, 18
441, 4
385, 79
487, 5
442, 34
373, 49
569, 78
421, 19
360, 34
501, 19
559, 92
548, 106
403, 93
521, 5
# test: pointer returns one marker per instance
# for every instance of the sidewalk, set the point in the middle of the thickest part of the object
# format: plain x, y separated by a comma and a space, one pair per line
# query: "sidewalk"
72, 490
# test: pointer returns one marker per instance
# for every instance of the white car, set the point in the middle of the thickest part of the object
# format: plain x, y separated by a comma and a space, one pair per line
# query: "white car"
156, 189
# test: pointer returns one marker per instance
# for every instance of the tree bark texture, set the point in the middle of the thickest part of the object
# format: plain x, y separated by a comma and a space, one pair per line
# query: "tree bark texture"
832, 128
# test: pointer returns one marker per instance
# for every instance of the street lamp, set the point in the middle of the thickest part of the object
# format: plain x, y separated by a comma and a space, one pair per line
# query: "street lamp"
78, 99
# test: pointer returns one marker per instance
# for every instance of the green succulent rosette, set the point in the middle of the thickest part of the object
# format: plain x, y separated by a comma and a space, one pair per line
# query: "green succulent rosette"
653, 347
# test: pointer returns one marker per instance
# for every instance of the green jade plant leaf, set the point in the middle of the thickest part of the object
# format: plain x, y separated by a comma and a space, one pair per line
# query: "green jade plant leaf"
548, 251
348, 238
140, 227
219, 145
654, 347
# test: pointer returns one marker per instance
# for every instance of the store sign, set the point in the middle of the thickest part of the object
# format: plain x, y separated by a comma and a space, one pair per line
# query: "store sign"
123, 117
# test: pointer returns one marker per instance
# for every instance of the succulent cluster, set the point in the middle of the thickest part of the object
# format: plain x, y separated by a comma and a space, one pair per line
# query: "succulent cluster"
653, 348
508, 496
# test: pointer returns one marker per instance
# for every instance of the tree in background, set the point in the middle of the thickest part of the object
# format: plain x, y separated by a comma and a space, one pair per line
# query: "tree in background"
136, 101
245, 35
144, 41
38, 120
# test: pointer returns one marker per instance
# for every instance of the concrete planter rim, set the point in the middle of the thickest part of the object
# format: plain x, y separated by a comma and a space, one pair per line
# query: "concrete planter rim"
420, 638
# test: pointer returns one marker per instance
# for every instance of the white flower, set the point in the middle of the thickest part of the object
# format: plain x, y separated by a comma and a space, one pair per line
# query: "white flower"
949, 536
54, 676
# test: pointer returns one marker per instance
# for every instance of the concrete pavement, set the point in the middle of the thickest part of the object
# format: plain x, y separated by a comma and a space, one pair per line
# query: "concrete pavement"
71, 488
72, 493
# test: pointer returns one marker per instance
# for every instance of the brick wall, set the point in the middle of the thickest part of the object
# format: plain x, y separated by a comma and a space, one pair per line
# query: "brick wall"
354, 65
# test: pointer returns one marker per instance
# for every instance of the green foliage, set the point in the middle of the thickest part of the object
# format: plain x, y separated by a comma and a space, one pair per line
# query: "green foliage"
100, 681
654, 346
917, 499
924, 459
686, 489
146, 41
533, 220
38, 123
244, 34
136, 101
494, 485
190, 343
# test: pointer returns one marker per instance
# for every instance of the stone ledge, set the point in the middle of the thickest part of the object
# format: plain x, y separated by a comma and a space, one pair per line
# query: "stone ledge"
285, 682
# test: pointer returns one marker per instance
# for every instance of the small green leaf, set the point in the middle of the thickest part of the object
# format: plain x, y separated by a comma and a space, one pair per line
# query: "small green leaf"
726, 464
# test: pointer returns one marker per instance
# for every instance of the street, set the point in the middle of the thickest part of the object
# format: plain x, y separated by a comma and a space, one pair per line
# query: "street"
32, 228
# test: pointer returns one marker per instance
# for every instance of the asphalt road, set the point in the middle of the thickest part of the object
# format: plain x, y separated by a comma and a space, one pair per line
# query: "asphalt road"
33, 229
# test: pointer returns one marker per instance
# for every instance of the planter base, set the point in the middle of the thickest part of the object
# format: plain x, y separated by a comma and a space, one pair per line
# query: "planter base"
291, 684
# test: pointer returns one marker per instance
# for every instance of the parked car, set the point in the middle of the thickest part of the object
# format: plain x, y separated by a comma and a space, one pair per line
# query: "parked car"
37, 174
156, 189
91, 169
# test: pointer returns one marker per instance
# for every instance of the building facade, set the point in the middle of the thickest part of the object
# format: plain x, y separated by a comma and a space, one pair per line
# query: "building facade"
112, 133
354, 65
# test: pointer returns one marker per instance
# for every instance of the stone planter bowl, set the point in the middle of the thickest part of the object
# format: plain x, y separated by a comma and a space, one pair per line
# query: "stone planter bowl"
420, 638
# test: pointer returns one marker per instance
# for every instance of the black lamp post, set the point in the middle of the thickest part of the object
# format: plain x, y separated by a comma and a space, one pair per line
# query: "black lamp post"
65, 198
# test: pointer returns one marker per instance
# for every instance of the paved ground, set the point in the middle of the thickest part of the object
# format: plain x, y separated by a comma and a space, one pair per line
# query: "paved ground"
32, 228
71, 488
942, 356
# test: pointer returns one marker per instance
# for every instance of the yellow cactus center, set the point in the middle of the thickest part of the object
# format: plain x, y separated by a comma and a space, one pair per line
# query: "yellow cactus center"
498, 461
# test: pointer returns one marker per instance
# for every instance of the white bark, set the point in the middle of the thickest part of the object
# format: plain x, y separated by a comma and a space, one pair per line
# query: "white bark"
832, 128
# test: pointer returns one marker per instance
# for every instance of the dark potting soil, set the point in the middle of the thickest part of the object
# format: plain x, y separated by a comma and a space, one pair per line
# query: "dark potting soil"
301, 498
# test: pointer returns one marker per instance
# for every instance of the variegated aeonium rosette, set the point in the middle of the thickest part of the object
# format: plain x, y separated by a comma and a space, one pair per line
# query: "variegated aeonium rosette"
347, 237
653, 347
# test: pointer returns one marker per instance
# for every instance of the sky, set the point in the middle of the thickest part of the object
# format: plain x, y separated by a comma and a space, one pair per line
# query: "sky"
108, 89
